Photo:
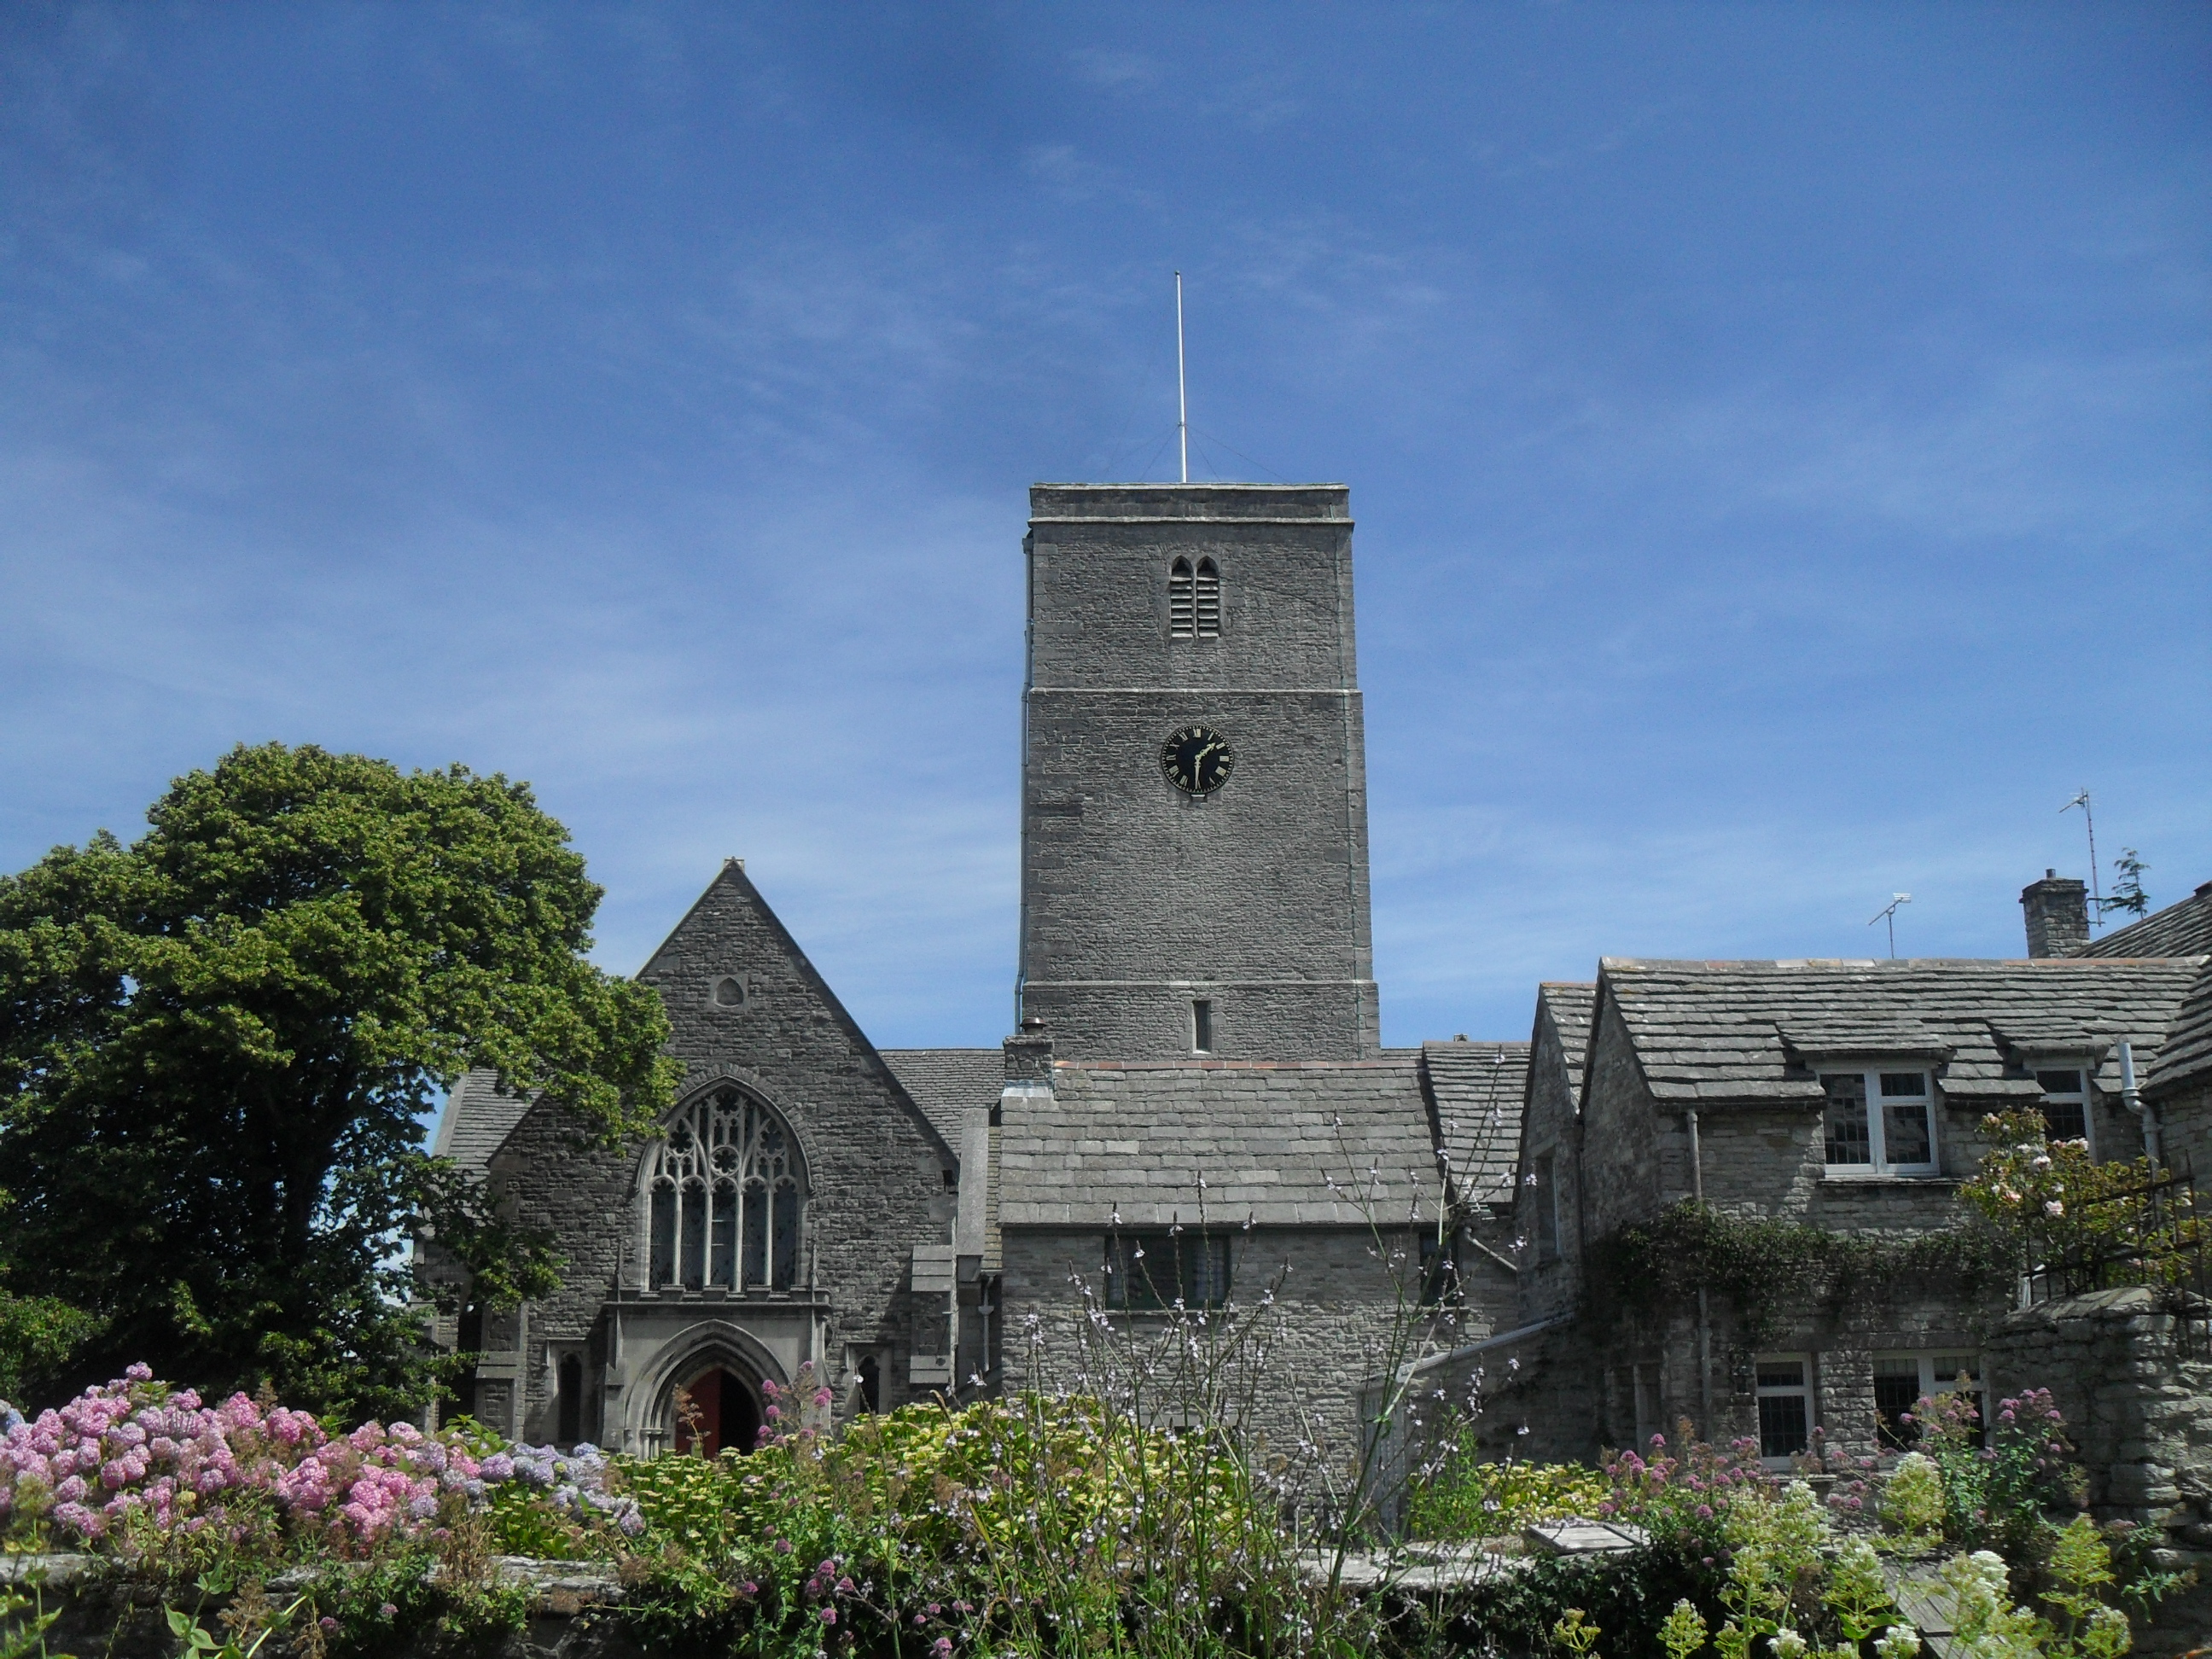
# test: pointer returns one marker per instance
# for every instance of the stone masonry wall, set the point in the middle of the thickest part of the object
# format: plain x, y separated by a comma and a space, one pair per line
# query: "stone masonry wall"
1135, 896
876, 1169
1620, 1164
2136, 1400
1550, 1280
1328, 1328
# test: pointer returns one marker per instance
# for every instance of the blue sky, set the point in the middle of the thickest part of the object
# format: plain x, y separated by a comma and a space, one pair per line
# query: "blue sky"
1779, 437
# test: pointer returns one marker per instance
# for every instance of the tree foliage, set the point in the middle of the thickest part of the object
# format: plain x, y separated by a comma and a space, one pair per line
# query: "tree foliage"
216, 1045
2127, 895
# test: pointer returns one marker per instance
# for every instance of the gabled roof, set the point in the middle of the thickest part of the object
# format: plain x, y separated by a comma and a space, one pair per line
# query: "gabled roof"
2179, 930
1571, 1004
1750, 1031
1320, 1143
1476, 1090
946, 1082
2186, 1056
477, 1119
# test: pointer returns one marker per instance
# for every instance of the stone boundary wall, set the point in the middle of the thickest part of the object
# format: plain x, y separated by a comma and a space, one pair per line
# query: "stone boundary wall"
2137, 1400
103, 1612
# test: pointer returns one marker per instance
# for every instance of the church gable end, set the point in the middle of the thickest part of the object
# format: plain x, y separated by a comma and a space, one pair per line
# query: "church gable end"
678, 1271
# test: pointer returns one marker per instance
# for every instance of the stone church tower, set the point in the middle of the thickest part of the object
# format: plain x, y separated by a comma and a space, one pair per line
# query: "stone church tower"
1194, 790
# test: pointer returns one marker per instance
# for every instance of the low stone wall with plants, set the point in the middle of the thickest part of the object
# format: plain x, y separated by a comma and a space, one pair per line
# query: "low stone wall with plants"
138, 1520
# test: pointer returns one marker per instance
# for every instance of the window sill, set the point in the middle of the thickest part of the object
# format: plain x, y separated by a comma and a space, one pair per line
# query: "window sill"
721, 1295
1883, 1178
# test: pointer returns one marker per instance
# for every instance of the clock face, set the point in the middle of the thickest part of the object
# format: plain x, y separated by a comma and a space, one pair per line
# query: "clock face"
1197, 760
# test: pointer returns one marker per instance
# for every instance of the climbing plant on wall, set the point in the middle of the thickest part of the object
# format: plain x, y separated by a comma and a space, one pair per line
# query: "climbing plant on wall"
1766, 1267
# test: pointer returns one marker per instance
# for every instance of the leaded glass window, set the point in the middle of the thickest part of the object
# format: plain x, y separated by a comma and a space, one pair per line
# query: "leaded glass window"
1881, 1120
727, 1198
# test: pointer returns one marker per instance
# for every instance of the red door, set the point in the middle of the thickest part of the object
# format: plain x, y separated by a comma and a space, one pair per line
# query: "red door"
724, 1411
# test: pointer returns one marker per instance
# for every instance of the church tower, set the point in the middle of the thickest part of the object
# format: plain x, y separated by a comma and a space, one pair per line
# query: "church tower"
1193, 776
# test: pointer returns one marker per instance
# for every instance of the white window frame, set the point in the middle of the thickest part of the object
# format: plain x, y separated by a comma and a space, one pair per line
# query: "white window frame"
1878, 1162
1936, 1370
2086, 1095
1802, 1389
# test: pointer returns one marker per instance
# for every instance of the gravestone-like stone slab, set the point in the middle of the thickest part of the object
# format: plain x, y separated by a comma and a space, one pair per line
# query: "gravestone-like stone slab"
1577, 1536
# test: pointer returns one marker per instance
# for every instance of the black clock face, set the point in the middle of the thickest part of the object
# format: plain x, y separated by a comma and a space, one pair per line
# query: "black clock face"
1197, 760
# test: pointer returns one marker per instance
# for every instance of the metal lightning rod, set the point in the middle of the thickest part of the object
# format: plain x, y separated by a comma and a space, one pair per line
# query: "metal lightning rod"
1182, 404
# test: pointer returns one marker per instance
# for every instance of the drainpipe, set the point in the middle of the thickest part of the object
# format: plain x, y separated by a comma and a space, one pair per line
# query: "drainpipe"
1704, 1308
2132, 1098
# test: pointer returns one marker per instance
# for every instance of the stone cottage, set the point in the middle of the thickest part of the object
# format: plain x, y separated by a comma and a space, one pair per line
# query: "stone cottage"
1841, 1096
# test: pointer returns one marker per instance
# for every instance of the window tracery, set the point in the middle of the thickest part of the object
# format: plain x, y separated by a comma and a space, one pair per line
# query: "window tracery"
726, 1195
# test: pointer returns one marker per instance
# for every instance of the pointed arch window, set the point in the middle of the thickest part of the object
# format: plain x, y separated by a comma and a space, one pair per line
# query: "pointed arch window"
1206, 600
1181, 600
727, 1198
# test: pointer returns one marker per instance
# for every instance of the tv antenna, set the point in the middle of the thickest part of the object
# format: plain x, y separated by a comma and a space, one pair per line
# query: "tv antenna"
2096, 895
1182, 404
1888, 913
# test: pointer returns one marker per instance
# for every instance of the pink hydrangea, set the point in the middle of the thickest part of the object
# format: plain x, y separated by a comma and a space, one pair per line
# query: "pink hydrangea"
138, 1451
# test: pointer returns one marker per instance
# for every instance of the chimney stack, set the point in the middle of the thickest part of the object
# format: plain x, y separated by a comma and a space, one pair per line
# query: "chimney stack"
2057, 909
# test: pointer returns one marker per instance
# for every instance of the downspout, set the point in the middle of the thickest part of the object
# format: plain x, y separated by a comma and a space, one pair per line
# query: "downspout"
1705, 1308
2146, 1114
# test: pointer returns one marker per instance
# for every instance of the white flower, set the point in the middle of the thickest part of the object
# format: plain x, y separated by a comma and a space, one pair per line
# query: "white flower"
1788, 1644
2054, 1207
1898, 1642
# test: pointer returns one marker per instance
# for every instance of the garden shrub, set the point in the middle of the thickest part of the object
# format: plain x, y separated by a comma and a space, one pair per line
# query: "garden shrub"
1911, 1504
1045, 1523
1465, 1498
1995, 1495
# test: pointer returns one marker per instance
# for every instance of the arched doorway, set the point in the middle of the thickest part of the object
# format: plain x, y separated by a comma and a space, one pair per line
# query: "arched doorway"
725, 1409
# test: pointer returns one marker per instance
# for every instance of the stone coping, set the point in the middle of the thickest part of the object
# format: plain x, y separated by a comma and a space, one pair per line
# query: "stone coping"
557, 1587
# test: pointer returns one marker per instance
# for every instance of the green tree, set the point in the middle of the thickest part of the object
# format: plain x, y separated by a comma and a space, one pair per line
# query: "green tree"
2127, 895
216, 1045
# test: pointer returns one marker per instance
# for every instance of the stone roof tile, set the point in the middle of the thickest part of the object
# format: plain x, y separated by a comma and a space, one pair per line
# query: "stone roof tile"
1476, 1090
945, 1082
1749, 1030
477, 1119
2186, 1055
1571, 1006
1343, 1140
2179, 930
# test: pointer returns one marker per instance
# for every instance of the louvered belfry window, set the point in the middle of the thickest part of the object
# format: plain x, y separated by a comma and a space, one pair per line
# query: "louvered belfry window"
1207, 596
1181, 610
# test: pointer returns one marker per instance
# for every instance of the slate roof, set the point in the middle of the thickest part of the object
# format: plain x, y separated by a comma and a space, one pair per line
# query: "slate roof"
1476, 1090
478, 1121
2179, 930
1715, 1032
945, 1082
1571, 1004
2186, 1055
1136, 1138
